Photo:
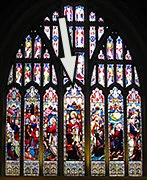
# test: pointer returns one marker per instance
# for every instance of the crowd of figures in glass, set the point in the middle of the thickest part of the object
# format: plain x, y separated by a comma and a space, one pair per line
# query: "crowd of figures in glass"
50, 134
74, 131
97, 119
116, 132
134, 132
31, 131
13, 132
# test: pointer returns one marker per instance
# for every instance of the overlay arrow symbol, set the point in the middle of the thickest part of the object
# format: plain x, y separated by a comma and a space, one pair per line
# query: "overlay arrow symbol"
68, 61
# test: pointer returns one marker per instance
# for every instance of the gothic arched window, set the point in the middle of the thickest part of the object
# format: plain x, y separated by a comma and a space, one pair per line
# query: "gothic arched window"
93, 123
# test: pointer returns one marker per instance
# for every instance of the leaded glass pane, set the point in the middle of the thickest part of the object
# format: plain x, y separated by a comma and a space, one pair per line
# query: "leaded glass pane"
110, 48
79, 13
65, 78
92, 40
110, 74
55, 16
136, 77
31, 132
46, 73
119, 48
10, 78
47, 31
79, 37
128, 56
101, 74
37, 73
27, 73
134, 123
97, 123
74, 142
50, 133
68, 12
18, 71
55, 39
13, 133
46, 55
101, 55
71, 34
128, 71
100, 32
37, 47
92, 17
54, 77
119, 74
93, 78
28, 47
80, 73
19, 54
116, 133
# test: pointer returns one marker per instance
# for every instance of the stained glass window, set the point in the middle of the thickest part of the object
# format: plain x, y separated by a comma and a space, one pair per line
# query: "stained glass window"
96, 119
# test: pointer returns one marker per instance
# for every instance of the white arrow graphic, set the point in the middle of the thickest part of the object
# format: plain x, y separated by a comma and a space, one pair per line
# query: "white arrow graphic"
68, 61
